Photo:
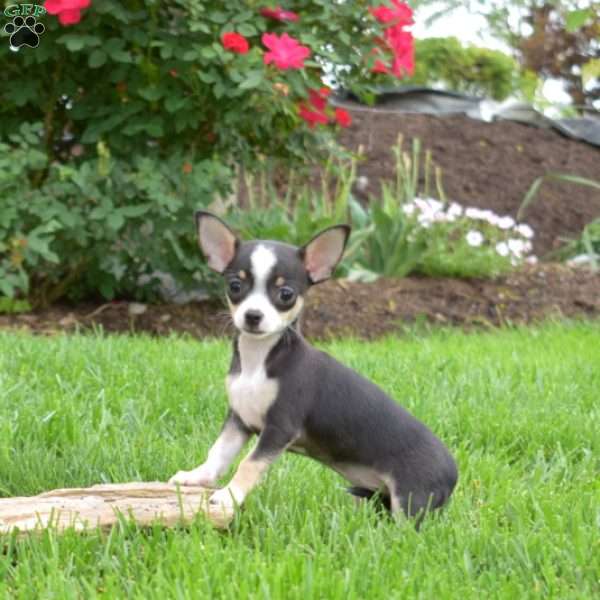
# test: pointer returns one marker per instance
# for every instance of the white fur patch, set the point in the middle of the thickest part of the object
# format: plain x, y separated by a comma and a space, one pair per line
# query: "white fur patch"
263, 260
222, 453
251, 392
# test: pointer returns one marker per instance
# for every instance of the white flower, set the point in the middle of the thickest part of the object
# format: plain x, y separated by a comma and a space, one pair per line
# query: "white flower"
505, 222
436, 206
524, 230
440, 217
362, 183
425, 219
474, 238
473, 213
516, 247
481, 215
532, 260
454, 210
490, 216
428, 205
408, 209
502, 248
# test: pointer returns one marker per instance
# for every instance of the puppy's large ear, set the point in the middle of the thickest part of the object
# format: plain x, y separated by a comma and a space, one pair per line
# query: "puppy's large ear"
324, 252
217, 242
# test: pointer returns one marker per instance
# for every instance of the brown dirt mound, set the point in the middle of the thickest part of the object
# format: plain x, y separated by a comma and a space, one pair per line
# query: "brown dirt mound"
489, 165
363, 310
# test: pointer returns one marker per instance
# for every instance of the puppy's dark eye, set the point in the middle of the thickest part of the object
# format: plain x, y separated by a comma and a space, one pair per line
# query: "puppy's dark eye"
235, 286
286, 294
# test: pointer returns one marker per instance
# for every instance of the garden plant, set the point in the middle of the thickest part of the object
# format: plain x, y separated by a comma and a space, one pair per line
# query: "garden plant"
127, 116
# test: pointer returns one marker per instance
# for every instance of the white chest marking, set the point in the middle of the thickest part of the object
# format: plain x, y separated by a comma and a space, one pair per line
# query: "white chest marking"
250, 391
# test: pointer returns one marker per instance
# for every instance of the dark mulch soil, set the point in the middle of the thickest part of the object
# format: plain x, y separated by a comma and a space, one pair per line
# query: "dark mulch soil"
490, 165
363, 310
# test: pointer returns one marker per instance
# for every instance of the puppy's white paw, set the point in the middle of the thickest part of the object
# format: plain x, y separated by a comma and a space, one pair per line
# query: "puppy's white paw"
226, 497
200, 476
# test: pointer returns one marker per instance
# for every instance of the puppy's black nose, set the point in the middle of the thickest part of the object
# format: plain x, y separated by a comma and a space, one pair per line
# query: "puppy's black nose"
253, 318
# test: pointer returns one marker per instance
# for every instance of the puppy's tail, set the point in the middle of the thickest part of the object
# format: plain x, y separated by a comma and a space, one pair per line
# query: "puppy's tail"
378, 498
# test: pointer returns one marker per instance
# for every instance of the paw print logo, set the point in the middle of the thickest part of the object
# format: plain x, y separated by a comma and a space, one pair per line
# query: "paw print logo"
24, 32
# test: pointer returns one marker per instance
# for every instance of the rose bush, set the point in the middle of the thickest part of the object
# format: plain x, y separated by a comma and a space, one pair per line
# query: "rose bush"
184, 83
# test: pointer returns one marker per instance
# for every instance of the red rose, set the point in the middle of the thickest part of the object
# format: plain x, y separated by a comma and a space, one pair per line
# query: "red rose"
285, 51
400, 14
343, 117
402, 45
68, 11
317, 99
312, 117
235, 42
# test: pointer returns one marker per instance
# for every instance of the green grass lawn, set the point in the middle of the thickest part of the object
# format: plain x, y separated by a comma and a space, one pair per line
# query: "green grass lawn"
520, 409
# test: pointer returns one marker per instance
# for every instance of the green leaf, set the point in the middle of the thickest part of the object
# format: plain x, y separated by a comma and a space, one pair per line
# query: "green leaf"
246, 15
206, 77
72, 41
121, 56
190, 55
208, 53
115, 221
135, 211
218, 17
175, 103
345, 38
151, 93
97, 59
106, 288
246, 29
591, 70
25, 92
199, 26
75, 42
166, 52
575, 19
6, 288
113, 44
253, 79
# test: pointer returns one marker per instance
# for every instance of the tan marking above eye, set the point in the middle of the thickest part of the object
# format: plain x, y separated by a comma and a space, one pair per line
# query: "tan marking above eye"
242, 274
279, 281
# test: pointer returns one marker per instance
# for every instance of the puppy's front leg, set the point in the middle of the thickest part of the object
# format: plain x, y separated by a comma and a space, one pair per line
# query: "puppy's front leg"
271, 444
227, 446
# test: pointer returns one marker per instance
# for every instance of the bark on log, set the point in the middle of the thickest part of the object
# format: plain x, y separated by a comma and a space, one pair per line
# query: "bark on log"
103, 505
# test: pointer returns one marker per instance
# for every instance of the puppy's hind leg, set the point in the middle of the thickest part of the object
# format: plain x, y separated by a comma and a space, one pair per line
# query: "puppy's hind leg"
380, 500
414, 505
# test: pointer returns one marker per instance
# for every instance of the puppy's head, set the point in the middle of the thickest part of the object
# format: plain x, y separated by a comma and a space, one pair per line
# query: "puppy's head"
266, 281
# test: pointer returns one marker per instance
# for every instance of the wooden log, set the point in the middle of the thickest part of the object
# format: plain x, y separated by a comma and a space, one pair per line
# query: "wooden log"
103, 505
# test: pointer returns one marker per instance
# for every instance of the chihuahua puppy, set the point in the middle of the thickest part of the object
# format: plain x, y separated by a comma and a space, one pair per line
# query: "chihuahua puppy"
296, 398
